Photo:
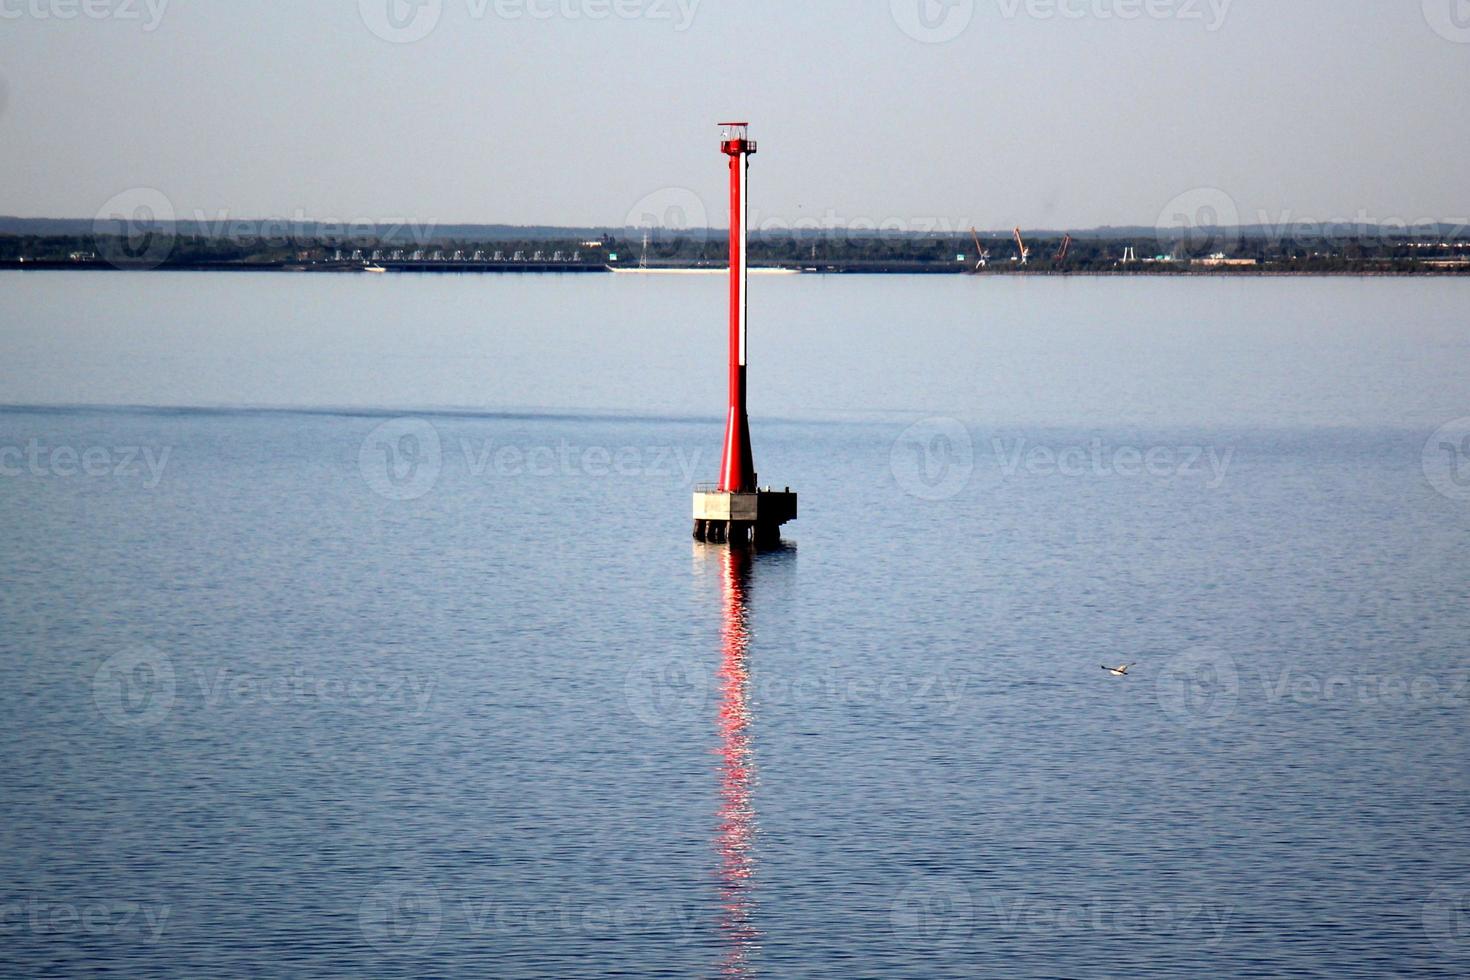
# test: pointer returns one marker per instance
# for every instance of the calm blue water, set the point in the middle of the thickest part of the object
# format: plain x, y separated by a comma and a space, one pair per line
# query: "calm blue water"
371, 642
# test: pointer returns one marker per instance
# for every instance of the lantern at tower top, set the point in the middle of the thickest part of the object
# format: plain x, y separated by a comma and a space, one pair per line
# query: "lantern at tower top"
735, 140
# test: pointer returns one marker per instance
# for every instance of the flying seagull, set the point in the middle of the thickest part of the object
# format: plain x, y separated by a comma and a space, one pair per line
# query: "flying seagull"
1120, 671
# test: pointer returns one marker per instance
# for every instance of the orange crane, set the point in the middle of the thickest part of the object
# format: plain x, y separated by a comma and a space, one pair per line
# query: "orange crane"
1061, 255
1021, 246
982, 254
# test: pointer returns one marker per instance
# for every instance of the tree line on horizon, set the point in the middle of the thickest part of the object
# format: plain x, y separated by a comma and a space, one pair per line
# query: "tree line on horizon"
792, 249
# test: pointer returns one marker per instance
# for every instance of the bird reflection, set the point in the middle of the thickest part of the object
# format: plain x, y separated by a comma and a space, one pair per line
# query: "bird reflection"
737, 817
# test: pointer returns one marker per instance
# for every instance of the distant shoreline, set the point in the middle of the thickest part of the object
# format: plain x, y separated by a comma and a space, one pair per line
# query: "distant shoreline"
400, 249
830, 268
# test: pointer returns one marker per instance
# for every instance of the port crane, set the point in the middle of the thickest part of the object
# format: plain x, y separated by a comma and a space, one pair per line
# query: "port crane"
1062, 252
1021, 247
982, 254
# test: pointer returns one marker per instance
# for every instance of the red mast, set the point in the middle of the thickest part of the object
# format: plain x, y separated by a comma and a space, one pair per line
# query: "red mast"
735, 510
737, 470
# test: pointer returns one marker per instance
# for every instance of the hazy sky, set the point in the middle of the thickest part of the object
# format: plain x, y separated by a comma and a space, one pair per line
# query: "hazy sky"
1045, 113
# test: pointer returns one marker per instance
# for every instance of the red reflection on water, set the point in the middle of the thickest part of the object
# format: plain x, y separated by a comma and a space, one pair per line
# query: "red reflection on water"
737, 818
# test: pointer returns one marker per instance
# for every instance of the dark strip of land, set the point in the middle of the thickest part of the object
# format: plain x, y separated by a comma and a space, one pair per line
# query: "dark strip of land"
1197, 252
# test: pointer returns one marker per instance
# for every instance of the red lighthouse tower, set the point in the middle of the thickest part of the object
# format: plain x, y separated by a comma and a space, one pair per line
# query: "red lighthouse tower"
737, 469
736, 509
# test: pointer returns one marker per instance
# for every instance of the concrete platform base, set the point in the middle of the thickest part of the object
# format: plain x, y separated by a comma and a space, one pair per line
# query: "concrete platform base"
742, 518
